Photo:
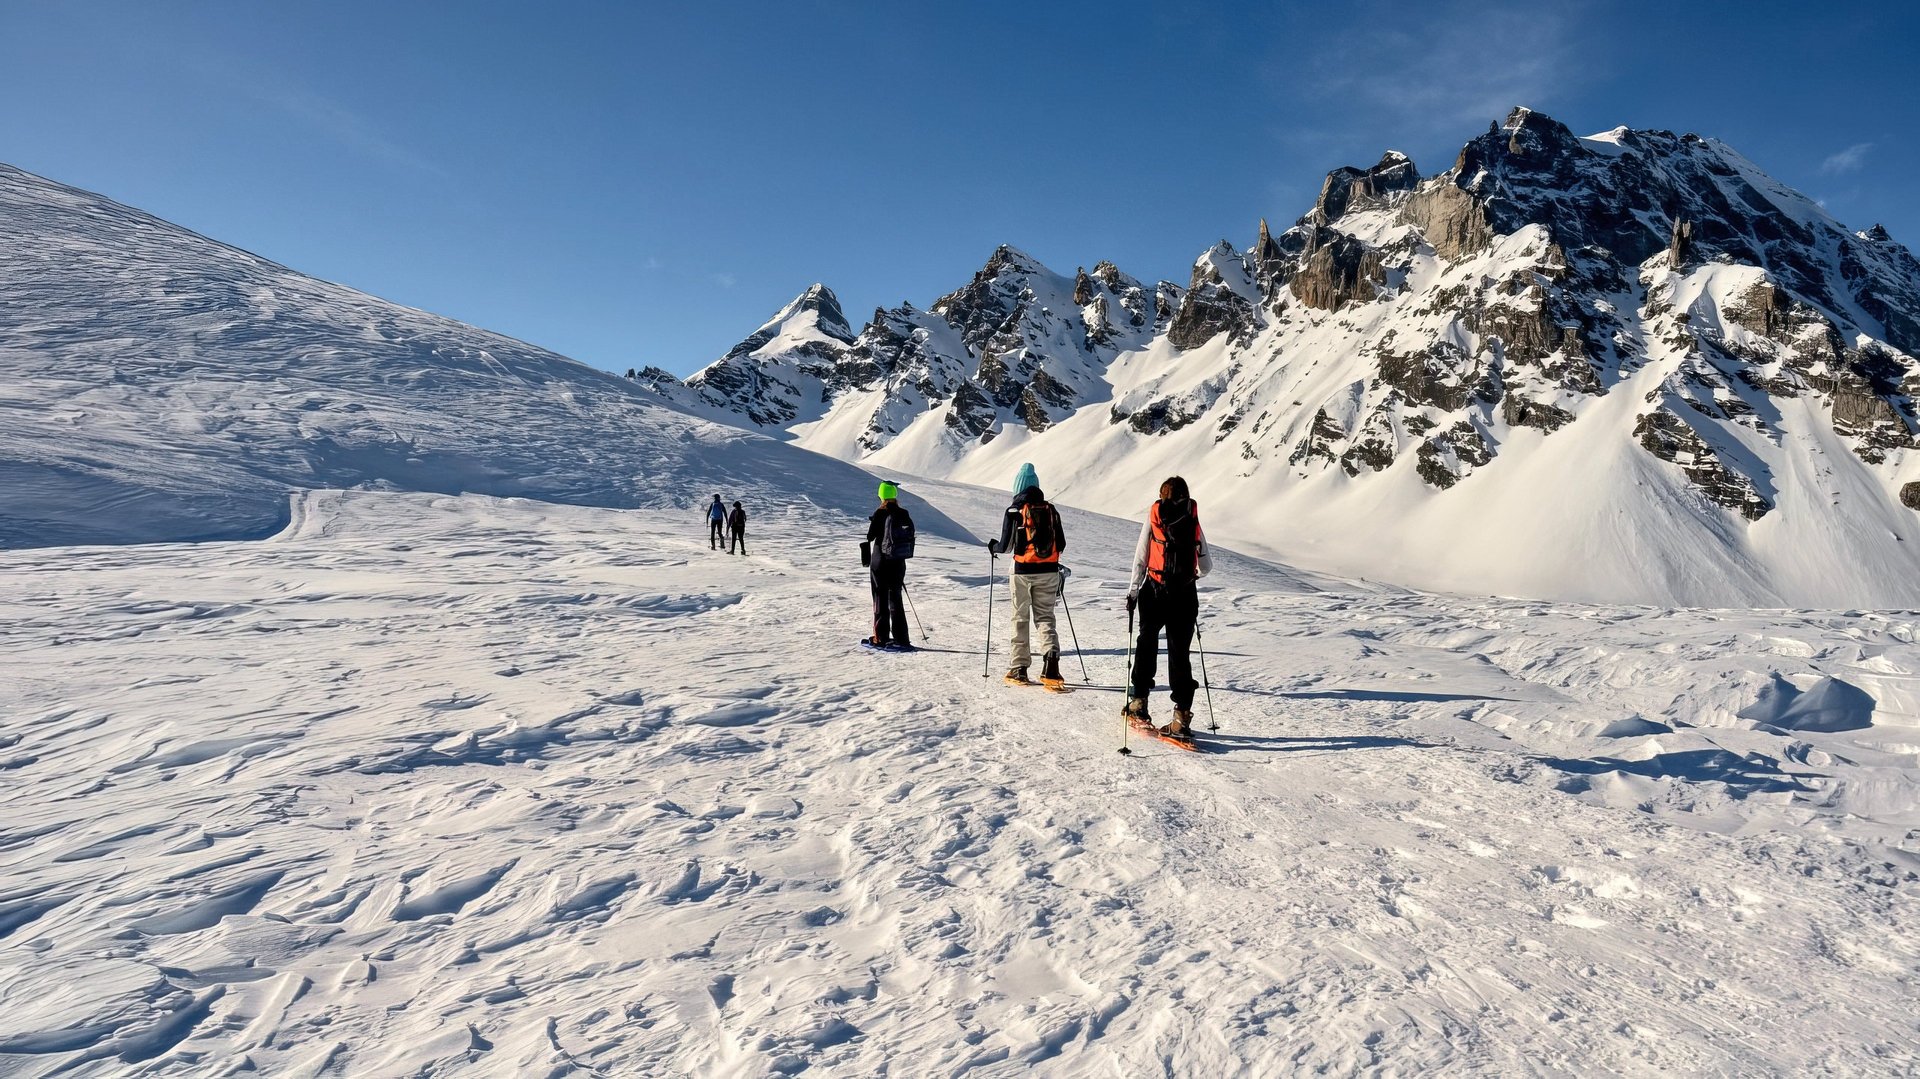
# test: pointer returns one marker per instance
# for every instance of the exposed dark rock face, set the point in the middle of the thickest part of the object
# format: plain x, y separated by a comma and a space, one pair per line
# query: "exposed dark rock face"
1520, 412
1346, 188
1452, 220
1451, 456
1669, 438
1910, 496
1212, 306
1339, 270
1319, 441
1167, 298
1442, 376
1681, 245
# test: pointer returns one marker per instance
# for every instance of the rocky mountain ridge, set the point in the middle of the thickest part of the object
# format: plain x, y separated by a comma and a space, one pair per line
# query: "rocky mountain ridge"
1729, 352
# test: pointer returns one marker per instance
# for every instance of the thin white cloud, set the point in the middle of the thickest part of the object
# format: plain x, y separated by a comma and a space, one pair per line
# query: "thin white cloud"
1402, 74
273, 89
1851, 159
725, 280
346, 127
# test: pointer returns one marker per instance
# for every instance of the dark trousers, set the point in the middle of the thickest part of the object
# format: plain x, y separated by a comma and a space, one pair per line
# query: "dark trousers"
1175, 610
739, 540
715, 537
889, 578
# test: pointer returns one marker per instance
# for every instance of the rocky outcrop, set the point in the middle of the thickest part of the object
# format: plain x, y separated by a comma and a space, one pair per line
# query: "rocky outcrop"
1517, 411
1451, 456
1350, 188
1442, 376
1322, 435
1910, 496
1213, 305
1671, 439
1339, 270
1681, 244
1167, 298
1451, 220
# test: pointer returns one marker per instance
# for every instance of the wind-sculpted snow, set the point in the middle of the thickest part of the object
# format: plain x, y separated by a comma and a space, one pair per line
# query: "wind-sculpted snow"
468, 786
156, 385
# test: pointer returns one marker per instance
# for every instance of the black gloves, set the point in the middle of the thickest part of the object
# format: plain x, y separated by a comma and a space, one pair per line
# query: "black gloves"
1133, 600
993, 546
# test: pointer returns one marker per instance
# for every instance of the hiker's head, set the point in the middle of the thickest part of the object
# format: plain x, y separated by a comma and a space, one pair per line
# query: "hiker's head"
888, 492
1025, 479
737, 505
1174, 489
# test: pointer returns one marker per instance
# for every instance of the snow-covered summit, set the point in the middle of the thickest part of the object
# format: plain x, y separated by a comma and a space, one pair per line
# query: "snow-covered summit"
1017, 345
1628, 367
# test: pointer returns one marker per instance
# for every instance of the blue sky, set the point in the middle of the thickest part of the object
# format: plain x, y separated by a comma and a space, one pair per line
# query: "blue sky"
634, 183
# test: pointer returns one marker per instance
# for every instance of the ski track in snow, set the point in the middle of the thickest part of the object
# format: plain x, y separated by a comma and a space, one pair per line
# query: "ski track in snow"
448, 785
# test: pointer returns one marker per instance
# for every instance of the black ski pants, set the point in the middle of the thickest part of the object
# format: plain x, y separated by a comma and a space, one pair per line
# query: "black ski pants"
889, 579
738, 540
716, 536
1175, 610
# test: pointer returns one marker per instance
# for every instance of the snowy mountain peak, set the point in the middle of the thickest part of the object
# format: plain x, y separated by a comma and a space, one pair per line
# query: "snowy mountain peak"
1644, 317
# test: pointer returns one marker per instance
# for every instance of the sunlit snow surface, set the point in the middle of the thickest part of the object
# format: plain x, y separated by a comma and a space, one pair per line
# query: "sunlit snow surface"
456, 785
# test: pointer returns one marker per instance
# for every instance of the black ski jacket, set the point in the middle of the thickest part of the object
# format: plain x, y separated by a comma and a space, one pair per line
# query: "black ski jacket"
876, 527
1013, 535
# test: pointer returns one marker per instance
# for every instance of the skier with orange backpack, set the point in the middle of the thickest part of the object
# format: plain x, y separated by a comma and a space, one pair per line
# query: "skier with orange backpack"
1030, 531
1170, 557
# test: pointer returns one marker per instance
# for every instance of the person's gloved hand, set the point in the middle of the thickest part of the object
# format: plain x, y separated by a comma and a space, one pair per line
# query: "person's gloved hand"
1133, 600
993, 546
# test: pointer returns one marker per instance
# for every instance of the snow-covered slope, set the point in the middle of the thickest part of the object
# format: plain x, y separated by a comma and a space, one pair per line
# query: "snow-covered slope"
468, 786
155, 384
1630, 367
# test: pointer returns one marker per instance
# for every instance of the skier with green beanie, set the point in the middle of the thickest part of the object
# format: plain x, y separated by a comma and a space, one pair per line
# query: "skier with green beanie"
889, 544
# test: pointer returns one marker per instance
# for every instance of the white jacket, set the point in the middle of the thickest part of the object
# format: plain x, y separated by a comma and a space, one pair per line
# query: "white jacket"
1146, 539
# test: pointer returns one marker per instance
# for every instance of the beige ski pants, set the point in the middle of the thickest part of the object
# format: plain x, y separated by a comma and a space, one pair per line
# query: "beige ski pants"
1034, 597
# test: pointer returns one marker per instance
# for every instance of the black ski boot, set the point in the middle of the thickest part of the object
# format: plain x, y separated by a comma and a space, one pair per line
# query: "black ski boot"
1050, 675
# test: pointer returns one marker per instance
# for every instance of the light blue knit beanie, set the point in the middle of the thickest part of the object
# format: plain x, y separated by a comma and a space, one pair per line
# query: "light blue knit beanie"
1027, 478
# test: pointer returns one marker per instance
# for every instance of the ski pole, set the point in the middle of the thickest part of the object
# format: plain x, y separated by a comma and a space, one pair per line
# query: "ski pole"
1126, 722
986, 657
916, 612
1211, 724
1068, 607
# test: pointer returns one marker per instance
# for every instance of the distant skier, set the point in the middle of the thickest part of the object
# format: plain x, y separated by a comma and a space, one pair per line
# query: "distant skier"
716, 520
889, 544
1170, 557
737, 529
1030, 531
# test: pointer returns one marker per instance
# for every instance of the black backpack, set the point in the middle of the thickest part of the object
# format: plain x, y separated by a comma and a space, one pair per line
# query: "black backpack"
896, 535
1036, 520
